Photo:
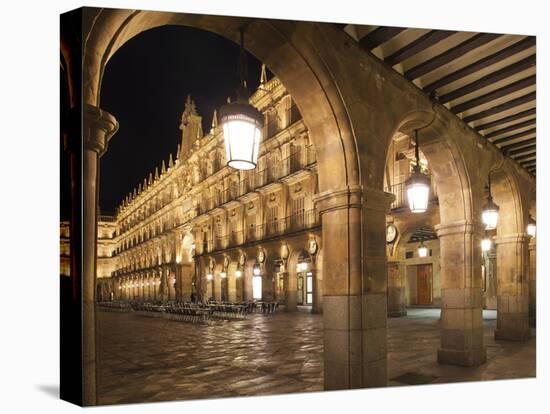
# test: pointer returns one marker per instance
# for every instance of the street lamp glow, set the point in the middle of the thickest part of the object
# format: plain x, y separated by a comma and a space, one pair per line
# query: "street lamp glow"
242, 131
422, 250
486, 244
489, 214
242, 124
238, 273
223, 275
209, 276
256, 270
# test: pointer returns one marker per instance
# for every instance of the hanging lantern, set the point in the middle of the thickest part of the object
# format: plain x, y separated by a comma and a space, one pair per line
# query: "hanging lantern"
489, 214
486, 244
418, 185
242, 124
223, 275
531, 227
422, 250
209, 276
238, 273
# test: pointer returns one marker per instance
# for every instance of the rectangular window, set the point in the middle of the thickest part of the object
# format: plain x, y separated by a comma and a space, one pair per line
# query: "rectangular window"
297, 213
271, 219
409, 255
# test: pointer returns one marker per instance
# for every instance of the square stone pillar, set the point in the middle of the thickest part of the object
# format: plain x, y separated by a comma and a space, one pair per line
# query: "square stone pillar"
354, 287
396, 289
231, 286
513, 287
461, 294
490, 294
317, 306
184, 276
533, 282
291, 292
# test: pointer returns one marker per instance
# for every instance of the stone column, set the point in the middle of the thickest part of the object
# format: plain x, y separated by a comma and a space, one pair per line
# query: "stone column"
184, 277
512, 287
533, 282
98, 127
231, 285
461, 294
291, 293
396, 289
317, 306
490, 296
354, 287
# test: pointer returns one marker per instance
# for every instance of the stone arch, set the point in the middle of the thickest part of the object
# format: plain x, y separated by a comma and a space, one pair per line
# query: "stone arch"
458, 162
293, 58
511, 193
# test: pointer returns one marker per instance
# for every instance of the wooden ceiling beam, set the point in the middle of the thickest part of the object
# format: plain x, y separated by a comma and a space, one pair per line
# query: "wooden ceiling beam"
502, 107
511, 147
528, 156
422, 43
485, 62
489, 79
499, 93
379, 35
515, 136
521, 150
510, 128
446, 57
506, 119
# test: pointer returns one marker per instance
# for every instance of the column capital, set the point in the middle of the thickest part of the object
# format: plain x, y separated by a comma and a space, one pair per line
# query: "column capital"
353, 197
513, 238
98, 126
459, 227
374, 199
342, 198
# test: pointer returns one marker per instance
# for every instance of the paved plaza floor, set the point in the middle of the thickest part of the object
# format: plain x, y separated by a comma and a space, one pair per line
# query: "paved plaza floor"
144, 359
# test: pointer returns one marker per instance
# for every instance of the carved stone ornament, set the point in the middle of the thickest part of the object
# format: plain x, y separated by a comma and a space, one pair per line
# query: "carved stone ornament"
261, 255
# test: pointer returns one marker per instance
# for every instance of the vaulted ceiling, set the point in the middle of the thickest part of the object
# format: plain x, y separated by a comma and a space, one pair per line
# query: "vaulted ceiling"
487, 80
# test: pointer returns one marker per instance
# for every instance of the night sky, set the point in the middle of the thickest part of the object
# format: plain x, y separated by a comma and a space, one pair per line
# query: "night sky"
145, 86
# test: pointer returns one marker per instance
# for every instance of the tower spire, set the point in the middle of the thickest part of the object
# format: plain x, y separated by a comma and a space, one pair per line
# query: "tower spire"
214, 122
263, 75
163, 168
170, 161
190, 126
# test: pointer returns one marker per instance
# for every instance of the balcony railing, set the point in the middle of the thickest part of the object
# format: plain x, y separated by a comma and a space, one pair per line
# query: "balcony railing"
297, 222
276, 171
400, 193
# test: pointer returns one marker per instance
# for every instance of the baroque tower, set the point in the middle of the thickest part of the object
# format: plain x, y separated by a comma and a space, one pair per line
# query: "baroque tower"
191, 127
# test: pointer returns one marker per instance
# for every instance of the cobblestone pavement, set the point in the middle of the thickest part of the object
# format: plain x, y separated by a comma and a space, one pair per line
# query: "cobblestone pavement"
413, 343
145, 359
154, 359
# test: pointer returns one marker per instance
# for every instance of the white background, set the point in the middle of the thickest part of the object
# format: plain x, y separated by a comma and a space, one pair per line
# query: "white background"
29, 151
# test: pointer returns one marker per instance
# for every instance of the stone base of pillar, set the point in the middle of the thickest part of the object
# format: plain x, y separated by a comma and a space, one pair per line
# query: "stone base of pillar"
316, 310
513, 318
513, 327
464, 358
291, 303
355, 341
